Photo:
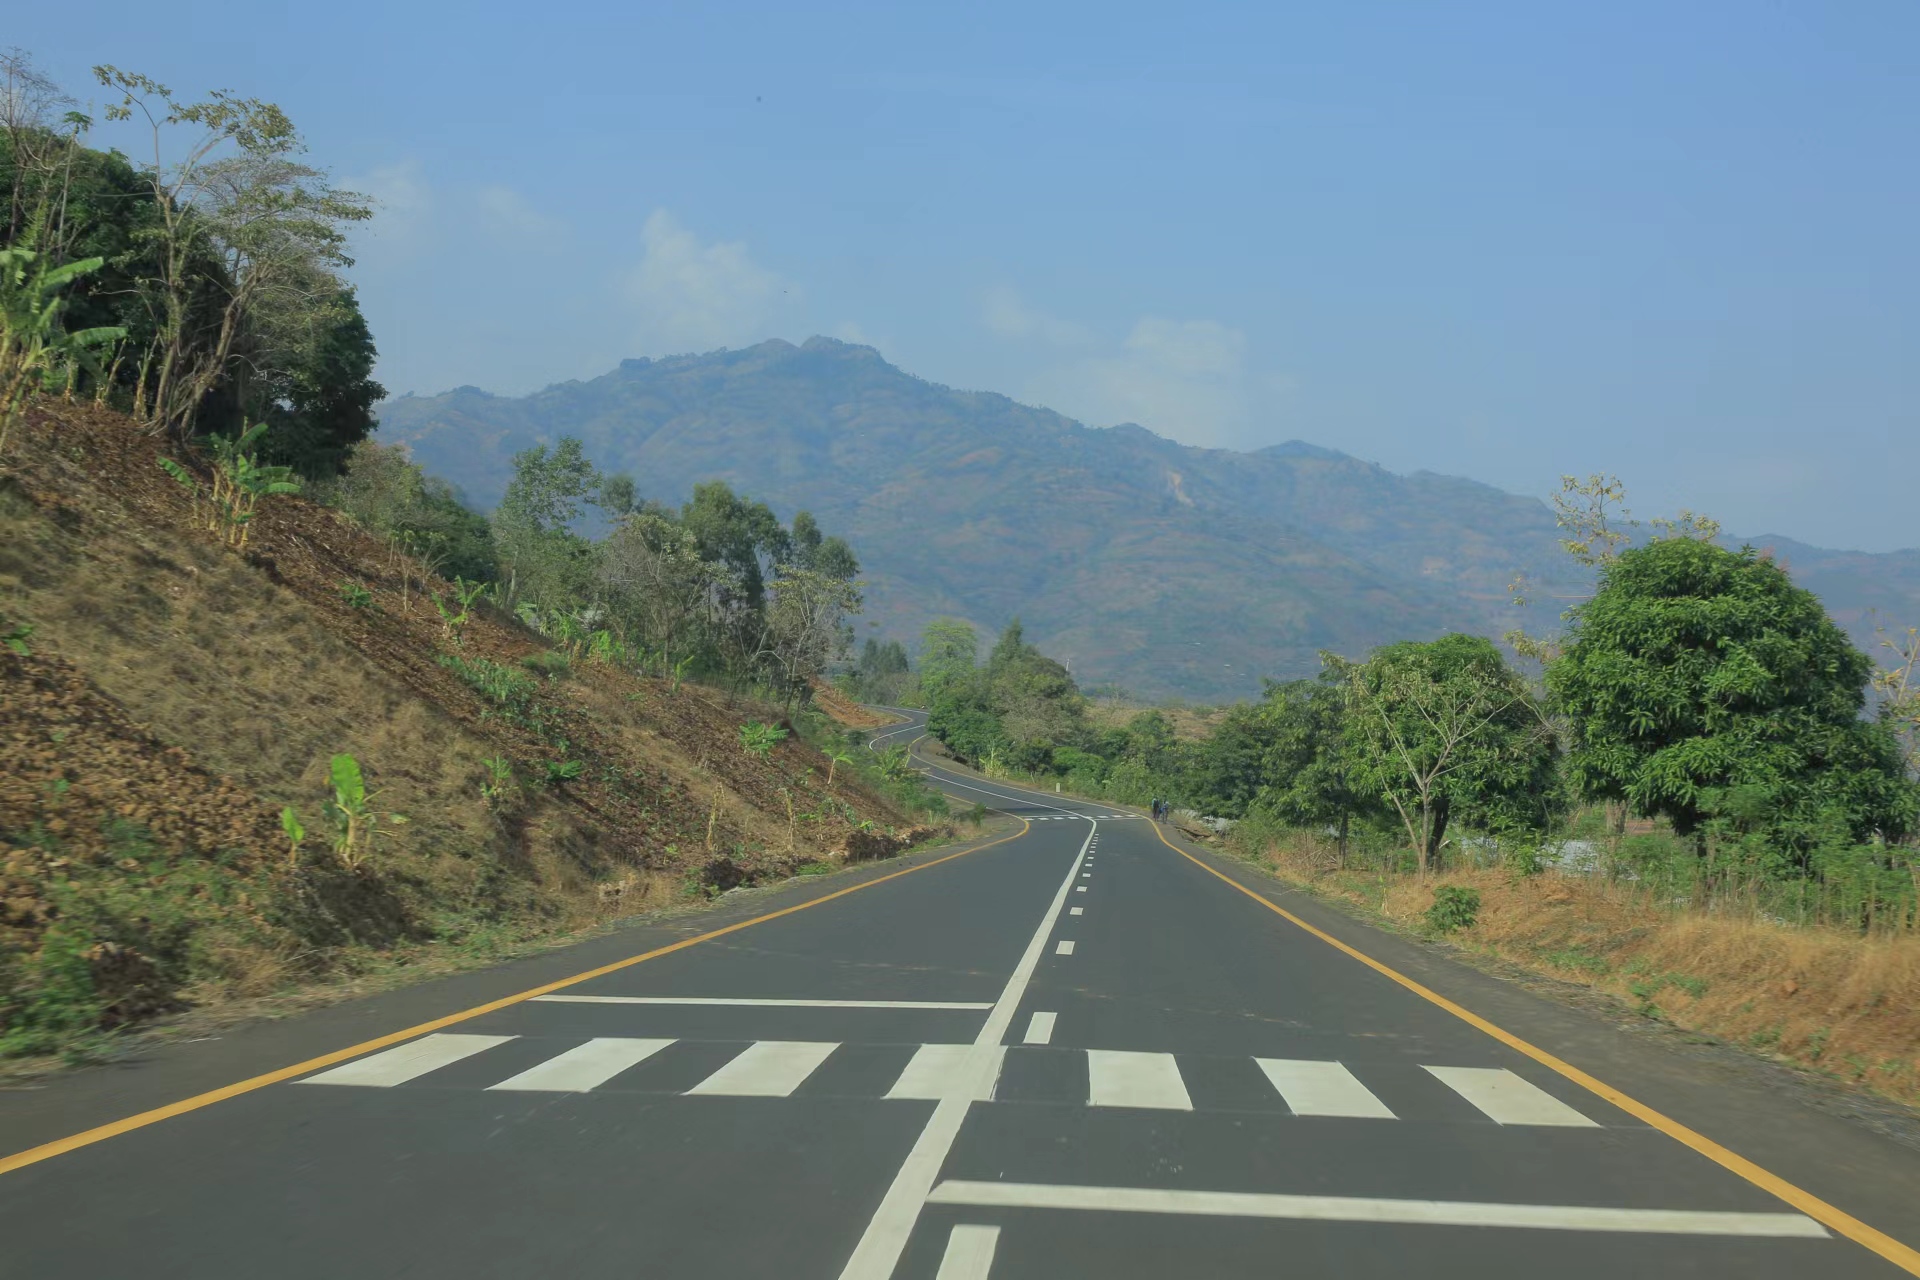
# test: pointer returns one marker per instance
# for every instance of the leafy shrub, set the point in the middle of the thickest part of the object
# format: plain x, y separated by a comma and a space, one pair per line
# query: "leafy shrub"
1454, 907
356, 595
562, 771
759, 740
500, 685
550, 663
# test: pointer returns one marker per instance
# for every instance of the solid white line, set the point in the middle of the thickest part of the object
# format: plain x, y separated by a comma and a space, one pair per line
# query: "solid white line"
1322, 1089
1507, 1099
887, 1233
1451, 1213
1064, 949
1076, 911
775, 1004
583, 1067
1152, 1080
935, 1070
768, 1069
397, 1066
969, 1254
1040, 1029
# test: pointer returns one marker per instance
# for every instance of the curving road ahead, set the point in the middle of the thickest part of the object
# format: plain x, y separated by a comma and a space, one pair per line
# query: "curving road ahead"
1070, 1048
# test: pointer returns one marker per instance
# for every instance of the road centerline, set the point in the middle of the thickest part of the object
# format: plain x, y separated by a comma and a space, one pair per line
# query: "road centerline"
887, 1233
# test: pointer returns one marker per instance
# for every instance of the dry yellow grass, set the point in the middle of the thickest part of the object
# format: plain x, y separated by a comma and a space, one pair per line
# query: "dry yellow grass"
1838, 1001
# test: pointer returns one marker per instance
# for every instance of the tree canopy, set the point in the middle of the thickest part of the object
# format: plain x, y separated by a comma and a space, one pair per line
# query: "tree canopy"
1700, 684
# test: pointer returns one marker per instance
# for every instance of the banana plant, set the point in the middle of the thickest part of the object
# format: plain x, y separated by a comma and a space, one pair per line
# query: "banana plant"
834, 760
238, 483
355, 822
35, 350
760, 739
464, 593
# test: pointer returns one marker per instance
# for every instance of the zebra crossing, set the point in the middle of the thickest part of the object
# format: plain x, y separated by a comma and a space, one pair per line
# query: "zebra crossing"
1100, 1078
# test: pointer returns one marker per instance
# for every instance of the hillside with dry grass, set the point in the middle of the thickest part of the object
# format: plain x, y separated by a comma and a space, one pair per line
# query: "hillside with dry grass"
164, 698
1825, 996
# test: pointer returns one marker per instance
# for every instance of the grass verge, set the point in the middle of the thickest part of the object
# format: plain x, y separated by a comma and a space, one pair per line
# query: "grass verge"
1841, 1003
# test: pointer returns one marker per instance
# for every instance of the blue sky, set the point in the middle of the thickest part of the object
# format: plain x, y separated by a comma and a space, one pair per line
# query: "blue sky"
1507, 241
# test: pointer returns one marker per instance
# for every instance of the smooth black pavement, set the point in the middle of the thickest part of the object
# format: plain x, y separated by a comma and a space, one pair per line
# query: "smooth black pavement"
1072, 1053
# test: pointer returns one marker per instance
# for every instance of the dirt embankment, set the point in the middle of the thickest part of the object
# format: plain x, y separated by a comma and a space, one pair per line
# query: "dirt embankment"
844, 711
174, 695
1842, 1002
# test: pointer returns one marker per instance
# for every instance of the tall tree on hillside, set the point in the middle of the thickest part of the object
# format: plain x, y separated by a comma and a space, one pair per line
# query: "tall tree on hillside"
1701, 684
42, 144
1446, 730
540, 555
807, 626
235, 196
657, 582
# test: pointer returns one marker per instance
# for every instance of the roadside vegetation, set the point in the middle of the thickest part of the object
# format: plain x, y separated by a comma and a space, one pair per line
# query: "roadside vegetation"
277, 708
1696, 792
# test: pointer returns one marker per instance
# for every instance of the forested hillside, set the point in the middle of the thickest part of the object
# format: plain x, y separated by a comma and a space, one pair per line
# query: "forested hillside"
1167, 569
275, 706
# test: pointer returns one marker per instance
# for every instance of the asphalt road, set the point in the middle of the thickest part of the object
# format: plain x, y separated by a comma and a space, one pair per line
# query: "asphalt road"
1072, 1051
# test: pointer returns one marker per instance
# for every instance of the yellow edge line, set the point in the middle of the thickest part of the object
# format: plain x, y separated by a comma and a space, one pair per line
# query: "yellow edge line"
1813, 1206
60, 1146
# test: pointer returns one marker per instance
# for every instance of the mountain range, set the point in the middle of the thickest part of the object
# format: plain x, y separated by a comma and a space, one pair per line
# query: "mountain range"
1166, 569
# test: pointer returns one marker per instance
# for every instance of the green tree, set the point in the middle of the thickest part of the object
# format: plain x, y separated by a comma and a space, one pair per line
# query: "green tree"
234, 194
1445, 730
314, 379
543, 557
1308, 782
948, 650
1702, 685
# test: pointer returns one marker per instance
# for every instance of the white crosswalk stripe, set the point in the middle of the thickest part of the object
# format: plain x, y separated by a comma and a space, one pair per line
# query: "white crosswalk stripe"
767, 1069
408, 1061
1322, 1089
1505, 1098
1115, 1078
584, 1067
1119, 1079
934, 1066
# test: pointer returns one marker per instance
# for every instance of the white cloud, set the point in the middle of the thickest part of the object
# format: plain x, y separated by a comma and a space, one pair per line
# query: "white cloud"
402, 201
695, 296
850, 331
1182, 378
507, 214
1006, 315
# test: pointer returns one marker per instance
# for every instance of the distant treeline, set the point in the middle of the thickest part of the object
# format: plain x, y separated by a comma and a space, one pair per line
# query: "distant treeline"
1698, 687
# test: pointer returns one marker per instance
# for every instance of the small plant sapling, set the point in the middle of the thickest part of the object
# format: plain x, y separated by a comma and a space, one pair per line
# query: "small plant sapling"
296, 835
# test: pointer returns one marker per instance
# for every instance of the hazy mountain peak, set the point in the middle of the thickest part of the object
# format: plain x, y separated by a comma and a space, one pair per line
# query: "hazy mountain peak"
1166, 568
